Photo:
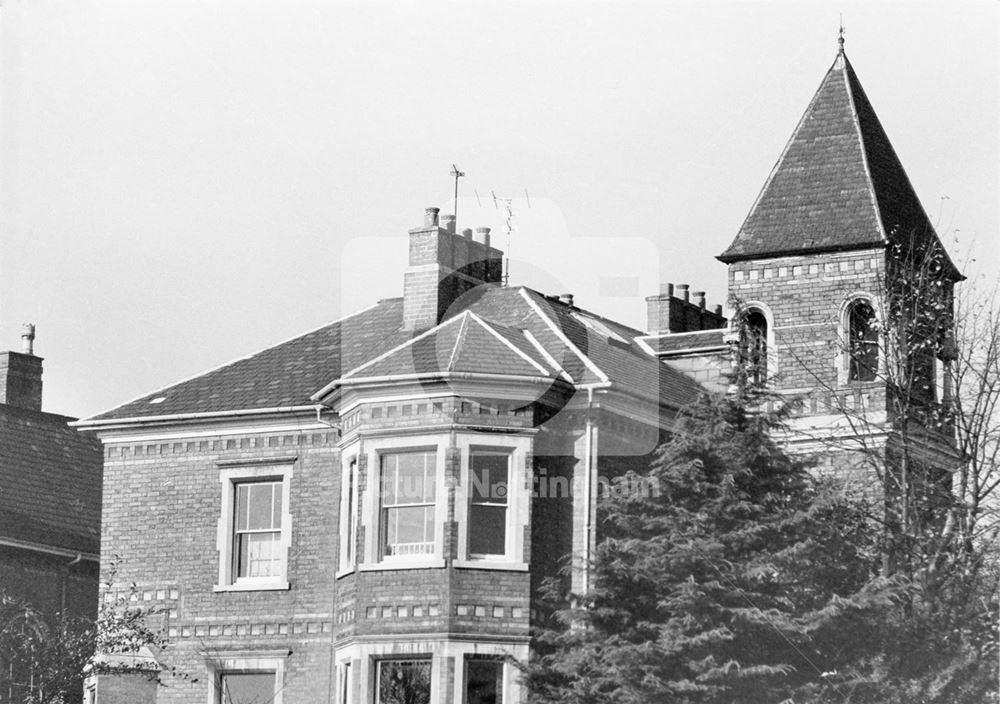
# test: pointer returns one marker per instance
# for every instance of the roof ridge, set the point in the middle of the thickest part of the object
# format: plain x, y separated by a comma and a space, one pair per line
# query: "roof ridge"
393, 350
864, 148
588, 362
463, 331
545, 353
508, 343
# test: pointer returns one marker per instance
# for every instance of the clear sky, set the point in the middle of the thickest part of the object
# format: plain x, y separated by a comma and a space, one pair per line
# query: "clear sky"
185, 182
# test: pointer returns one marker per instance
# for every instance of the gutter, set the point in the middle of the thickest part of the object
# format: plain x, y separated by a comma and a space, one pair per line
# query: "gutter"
433, 376
94, 423
77, 555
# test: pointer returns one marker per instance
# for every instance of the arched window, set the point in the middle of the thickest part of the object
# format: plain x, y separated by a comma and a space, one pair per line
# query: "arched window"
862, 342
753, 347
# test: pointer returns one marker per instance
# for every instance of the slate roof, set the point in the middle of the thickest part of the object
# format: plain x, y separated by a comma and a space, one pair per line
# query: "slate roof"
489, 337
50, 481
279, 376
466, 344
838, 184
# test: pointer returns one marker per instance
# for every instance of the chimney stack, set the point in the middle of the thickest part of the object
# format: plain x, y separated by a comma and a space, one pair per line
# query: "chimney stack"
444, 265
21, 374
566, 298
673, 311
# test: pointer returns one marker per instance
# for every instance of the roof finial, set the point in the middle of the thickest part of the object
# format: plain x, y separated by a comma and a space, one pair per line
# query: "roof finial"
840, 37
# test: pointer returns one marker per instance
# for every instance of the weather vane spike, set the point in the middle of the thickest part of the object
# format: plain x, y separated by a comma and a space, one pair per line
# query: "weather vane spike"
457, 175
840, 36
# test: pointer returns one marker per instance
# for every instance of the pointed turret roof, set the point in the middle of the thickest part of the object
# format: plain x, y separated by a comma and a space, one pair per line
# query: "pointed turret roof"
838, 184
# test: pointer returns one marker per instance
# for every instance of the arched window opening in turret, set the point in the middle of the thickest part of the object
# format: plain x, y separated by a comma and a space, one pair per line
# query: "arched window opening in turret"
753, 347
862, 342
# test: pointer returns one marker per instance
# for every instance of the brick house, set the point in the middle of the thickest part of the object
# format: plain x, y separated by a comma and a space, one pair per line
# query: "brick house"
50, 504
372, 505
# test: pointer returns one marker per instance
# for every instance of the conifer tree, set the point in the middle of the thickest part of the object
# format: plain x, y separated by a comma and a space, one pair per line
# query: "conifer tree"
721, 585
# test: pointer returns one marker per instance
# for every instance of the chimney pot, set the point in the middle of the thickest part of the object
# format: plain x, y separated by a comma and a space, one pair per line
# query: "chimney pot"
467, 233
448, 222
28, 338
482, 235
718, 309
666, 289
683, 291
431, 217
699, 298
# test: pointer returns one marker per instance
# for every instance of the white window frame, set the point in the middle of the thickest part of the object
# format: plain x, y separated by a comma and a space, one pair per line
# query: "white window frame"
518, 500
345, 668
263, 662
461, 678
370, 557
364, 657
350, 493
230, 477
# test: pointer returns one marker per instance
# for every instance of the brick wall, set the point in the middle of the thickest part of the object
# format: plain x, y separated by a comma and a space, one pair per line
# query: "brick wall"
805, 297
161, 511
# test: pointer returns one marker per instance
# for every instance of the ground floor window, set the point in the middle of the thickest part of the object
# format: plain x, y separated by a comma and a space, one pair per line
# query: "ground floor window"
483, 681
246, 687
404, 681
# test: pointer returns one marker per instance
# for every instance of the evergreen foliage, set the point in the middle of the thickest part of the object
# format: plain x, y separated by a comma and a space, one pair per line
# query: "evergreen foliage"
744, 579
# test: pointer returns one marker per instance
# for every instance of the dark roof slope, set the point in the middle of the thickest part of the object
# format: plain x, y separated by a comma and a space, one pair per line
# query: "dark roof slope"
464, 343
283, 375
50, 481
838, 185
290, 373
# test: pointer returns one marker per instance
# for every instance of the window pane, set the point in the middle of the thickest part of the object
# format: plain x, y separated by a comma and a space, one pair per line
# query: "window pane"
241, 506
260, 506
404, 682
257, 554
409, 530
489, 478
483, 682
415, 478
389, 465
247, 687
863, 343
487, 529
276, 506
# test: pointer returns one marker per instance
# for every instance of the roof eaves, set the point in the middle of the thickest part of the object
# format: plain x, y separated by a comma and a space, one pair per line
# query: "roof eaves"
733, 258
444, 376
92, 423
